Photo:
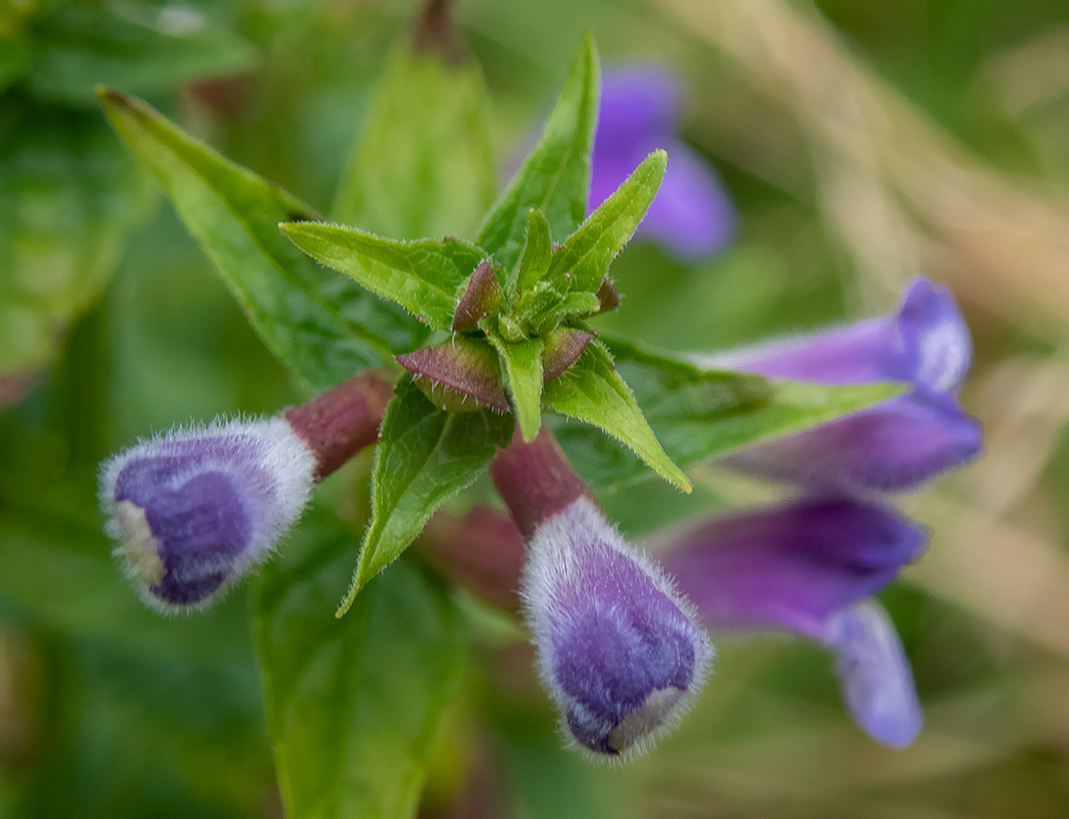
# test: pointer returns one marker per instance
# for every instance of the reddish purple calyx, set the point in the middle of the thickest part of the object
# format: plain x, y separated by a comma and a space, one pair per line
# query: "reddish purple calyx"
468, 367
480, 300
561, 350
608, 295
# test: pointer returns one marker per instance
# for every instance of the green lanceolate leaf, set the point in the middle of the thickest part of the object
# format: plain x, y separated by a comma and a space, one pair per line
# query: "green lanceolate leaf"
592, 391
582, 262
354, 707
424, 165
523, 366
422, 276
555, 176
319, 324
536, 252
424, 456
697, 418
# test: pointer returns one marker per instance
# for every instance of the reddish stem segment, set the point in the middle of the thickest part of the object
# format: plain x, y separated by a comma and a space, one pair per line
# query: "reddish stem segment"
535, 480
482, 551
342, 421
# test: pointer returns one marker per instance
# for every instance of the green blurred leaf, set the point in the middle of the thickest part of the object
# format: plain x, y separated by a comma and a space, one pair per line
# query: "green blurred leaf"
592, 391
582, 262
555, 176
319, 324
523, 366
424, 165
537, 252
424, 456
68, 197
354, 706
698, 415
13, 58
140, 47
422, 276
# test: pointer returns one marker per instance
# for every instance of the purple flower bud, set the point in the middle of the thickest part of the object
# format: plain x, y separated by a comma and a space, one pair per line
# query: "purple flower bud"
811, 568
877, 681
194, 510
692, 215
896, 445
618, 646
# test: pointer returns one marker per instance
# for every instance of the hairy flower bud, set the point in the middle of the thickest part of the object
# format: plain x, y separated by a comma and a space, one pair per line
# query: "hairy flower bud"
618, 646
192, 511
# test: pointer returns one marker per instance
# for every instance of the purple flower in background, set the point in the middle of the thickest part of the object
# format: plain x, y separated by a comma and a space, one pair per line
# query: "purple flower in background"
811, 568
692, 215
897, 445
618, 647
194, 510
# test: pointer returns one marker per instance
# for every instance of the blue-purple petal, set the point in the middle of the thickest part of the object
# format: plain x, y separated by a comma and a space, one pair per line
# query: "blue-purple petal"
935, 338
925, 342
877, 681
897, 445
692, 215
791, 567
640, 104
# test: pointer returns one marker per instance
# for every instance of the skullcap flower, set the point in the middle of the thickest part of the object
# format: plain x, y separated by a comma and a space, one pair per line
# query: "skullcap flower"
811, 568
899, 444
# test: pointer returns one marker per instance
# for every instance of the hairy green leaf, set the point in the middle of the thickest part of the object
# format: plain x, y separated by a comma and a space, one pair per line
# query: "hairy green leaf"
424, 165
319, 324
582, 262
592, 391
555, 176
421, 276
424, 456
523, 366
355, 707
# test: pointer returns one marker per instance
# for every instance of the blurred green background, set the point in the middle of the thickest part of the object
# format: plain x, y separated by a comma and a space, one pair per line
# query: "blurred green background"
863, 143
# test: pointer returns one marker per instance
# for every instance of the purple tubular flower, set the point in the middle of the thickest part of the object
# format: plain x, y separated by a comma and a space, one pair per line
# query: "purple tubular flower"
897, 445
194, 510
811, 568
618, 646
692, 215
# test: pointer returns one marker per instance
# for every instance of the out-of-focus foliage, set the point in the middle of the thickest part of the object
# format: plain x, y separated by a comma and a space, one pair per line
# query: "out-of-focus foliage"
68, 196
861, 142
